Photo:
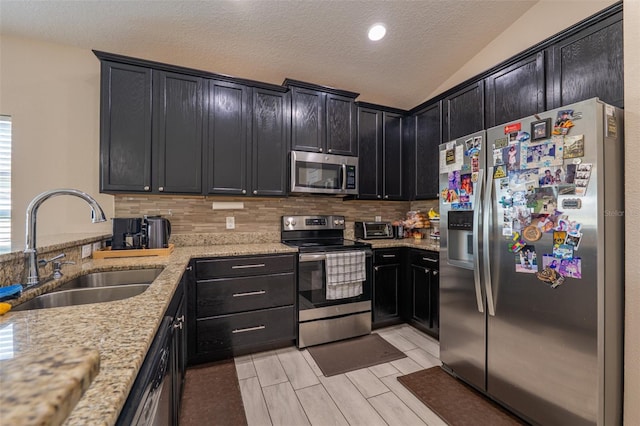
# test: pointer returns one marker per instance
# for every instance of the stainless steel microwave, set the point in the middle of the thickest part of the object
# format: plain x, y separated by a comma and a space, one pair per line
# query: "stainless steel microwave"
314, 173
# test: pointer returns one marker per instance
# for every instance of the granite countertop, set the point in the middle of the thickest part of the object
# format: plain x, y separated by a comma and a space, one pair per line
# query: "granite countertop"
423, 244
117, 335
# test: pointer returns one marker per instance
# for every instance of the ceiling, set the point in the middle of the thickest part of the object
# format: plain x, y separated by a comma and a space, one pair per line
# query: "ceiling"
319, 41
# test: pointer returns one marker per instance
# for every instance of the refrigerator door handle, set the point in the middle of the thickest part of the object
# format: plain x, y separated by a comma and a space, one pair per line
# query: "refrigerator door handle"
486, 227
475, 242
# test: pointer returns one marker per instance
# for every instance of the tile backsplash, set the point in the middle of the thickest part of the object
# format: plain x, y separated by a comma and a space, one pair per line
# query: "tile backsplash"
260, 215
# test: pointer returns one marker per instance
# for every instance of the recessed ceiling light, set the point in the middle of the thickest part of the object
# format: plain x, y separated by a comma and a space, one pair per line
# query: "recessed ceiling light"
377, 32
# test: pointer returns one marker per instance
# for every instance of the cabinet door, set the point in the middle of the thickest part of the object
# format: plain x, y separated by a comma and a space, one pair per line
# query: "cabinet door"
227, 138
421, 292
464, 112
178, 117
307, 115
425, 159
588, 64
125, 128
270, 142
516, 91
370, 154
341, 125
392, 162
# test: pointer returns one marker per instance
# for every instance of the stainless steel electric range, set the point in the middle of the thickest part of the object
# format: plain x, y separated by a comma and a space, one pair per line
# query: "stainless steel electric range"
322, 319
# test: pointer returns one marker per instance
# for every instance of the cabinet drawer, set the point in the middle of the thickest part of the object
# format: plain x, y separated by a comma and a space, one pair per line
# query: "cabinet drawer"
244, 266
387, 256
229, 295
228, 332
426, 259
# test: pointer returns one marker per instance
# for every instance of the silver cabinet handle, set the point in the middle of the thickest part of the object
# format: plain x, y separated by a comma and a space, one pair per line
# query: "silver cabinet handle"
178, 325
244, 191
379, 196
161, 188
388, 255
257, 265
146, 187
435, 272
320, 150
386, 197
428, 259
249, 293
255, 192
244, 330
329, 151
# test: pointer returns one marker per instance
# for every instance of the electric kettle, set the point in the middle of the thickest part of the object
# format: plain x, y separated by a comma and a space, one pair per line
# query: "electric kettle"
158, 231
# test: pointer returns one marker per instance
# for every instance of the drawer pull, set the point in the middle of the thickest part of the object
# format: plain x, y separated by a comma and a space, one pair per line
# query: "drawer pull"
257, 265
249, 293
244, 330
388, 255
428, 259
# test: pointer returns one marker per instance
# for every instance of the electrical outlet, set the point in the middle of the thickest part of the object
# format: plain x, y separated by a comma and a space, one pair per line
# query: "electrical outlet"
378, 218
231, 222
97, 245
86, 251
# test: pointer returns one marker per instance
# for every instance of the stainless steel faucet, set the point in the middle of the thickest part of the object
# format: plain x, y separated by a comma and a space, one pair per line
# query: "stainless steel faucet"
97, 215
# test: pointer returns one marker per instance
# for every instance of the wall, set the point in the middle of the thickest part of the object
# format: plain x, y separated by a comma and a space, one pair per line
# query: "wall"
52, 93
543, 20
632, 208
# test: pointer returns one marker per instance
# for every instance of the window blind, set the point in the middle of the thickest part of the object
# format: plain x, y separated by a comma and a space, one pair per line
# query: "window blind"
5, 183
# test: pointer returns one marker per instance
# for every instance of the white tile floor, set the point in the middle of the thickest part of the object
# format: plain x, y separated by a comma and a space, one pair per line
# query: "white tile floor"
286, 388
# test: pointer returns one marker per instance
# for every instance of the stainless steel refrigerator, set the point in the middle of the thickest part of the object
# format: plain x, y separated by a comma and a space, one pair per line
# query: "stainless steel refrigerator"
532, 265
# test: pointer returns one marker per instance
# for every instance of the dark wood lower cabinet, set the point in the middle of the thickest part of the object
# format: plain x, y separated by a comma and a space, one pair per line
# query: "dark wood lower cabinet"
240, 305
424, 285
387, 278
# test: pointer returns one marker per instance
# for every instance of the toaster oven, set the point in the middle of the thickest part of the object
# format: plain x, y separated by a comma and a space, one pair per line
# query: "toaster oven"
373, 230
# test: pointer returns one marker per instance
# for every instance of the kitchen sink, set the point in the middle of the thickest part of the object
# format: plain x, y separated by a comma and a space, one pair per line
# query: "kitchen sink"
82, 296
112, 278
96, 287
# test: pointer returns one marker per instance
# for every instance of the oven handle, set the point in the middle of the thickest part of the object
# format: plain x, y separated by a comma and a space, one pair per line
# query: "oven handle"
312, 257
316, 257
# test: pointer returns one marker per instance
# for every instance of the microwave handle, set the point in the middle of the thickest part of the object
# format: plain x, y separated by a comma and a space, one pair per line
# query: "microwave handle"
344, 177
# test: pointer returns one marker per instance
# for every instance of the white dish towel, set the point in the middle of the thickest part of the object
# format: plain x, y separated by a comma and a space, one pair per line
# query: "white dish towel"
345, 272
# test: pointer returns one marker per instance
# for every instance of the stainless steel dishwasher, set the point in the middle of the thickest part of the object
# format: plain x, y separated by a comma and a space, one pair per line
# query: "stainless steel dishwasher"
149, 402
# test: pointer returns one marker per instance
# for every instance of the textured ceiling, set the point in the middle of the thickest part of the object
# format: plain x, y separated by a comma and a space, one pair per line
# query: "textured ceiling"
321, 42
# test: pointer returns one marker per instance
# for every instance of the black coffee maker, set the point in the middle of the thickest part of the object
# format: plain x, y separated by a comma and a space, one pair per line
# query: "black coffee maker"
128, 233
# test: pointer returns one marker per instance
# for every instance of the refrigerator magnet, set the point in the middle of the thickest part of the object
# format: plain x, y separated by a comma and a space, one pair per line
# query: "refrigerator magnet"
563, 251
516, 244
563, 123
526, 260
573, 146
511, 156
474, 177
499, 172
500, 143
475, 164
551, 277
523, 136
573, 239
512, 128
532, 233
571, 268
559, 237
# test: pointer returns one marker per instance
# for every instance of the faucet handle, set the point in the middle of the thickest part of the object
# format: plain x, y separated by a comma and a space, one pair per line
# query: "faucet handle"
43, 262
57, 268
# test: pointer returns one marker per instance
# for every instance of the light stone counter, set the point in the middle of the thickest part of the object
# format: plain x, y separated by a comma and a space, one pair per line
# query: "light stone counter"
422, 244
121, 332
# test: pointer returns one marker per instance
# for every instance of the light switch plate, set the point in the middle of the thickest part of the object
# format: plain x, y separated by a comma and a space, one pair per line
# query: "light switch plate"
86, 251
231, 222
378, 218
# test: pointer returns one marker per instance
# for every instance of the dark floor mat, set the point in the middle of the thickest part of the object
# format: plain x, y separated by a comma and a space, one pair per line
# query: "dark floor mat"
455, 402
212, 396
353, 354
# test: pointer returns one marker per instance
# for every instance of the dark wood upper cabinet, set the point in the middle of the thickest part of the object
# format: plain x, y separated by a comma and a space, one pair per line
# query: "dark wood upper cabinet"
178, 117
227, 138
125, 128
588, 64
425, 158
516, 91
271, 124
341, 125
463, 111
392, 152
307, 127
322, 119
370, 153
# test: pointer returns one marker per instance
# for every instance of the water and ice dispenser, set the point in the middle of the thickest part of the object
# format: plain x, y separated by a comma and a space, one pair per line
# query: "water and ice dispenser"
460, 236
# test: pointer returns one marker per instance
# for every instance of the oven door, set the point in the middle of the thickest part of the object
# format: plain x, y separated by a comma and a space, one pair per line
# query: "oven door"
312, 287
323, 173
